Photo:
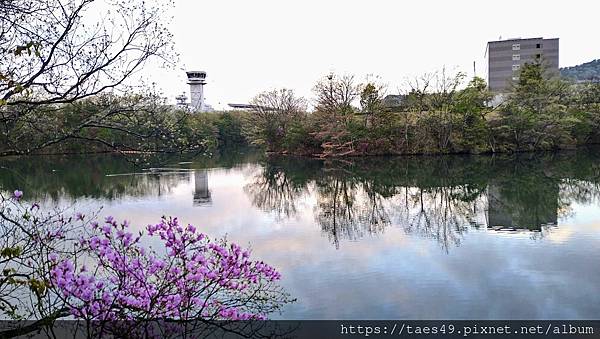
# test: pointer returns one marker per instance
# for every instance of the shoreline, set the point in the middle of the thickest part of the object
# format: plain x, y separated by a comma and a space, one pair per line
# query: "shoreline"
428, 154
311, 156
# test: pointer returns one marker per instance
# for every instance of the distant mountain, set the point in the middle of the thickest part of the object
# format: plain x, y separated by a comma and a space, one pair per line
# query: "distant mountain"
589, 71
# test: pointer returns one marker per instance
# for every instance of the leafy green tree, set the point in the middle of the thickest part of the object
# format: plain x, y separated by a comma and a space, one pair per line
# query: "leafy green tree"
371, 102
585, 106
438, 122
271, 117
230, 129
536, 115
107, 123
471, 106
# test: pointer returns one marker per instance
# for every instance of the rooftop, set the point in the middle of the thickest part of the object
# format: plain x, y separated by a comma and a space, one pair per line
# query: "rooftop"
521, 39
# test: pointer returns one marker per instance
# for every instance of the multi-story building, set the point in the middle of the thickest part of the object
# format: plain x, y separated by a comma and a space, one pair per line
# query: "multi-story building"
506, 57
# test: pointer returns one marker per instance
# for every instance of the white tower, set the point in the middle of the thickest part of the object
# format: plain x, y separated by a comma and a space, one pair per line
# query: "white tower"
197, 80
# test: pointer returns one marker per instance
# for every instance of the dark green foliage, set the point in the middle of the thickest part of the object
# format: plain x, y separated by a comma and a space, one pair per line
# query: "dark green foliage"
229, 125
105, 123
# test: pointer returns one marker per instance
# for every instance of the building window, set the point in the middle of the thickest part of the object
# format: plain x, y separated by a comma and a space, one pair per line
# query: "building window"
516, 47
516, 67
516, 57
538, 56
538, 45
515, 78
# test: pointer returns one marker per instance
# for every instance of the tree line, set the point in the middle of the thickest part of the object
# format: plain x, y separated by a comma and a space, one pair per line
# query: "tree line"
438, 114
66, 66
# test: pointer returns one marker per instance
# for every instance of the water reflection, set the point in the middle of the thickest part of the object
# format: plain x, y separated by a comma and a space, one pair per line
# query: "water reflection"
460, 226
346, 209
273, 190
437, 213
504, 215
108, 176
201, 190
440, 198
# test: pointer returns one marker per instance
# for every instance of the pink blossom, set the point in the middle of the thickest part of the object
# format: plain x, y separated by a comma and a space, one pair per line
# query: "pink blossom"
17, 195
132, 281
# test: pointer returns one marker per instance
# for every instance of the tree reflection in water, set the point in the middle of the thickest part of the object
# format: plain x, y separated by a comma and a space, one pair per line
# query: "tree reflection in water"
108, 176
272, 190
437, 213
439, 198
347, 210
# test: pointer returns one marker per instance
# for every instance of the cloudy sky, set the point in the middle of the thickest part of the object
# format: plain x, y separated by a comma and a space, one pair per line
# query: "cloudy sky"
250, 46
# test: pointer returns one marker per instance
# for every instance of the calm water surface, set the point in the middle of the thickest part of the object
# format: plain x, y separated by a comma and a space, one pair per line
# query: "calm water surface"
455, 237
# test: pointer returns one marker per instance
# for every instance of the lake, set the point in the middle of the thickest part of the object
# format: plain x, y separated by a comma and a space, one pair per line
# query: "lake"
444, 237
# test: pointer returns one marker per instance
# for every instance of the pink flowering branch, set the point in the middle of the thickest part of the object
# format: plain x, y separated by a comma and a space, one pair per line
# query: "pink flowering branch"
192, 277
56, 265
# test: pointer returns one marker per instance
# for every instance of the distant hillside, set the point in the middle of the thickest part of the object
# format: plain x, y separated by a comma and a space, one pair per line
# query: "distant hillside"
584, 72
